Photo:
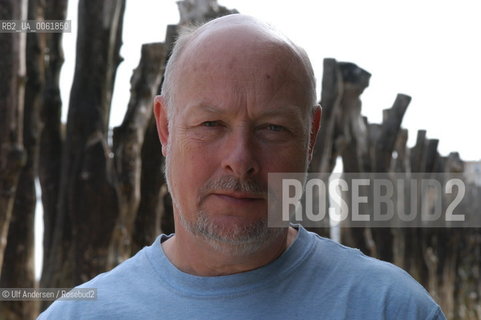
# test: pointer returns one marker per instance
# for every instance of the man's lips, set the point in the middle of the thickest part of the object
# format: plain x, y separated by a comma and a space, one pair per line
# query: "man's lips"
239, 196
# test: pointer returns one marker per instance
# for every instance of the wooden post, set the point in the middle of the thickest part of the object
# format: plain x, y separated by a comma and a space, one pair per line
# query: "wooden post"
52, 135
12, 88
18, 264
88, 200
128, 140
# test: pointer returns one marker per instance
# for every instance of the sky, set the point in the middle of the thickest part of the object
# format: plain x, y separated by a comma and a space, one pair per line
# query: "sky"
427, 49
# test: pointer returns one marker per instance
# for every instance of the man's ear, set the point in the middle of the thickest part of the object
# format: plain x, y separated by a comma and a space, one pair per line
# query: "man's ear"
162, 122
315, 125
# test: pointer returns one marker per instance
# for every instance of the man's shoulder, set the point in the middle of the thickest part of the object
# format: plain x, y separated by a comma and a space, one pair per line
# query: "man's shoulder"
338, 257
370, 281
127, 282
132, 271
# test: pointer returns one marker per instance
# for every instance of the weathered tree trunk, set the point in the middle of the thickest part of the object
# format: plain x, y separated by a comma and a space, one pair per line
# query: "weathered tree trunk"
51, 137
155, 210
381, 162
199, 11
148, 221
343, 130
18, 264
325, 152
88, 200
12, 85
128, 142
352, 141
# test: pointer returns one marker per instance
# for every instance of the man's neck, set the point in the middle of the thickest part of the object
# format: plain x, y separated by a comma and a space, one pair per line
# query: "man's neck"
196, 256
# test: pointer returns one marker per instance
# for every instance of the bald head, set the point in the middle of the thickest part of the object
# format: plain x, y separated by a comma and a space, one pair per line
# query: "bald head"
234, 44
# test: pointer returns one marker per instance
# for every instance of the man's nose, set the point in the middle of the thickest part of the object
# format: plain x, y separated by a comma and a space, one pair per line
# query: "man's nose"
241, 154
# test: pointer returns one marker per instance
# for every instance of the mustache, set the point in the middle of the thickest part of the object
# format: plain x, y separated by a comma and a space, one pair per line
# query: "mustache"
231, 183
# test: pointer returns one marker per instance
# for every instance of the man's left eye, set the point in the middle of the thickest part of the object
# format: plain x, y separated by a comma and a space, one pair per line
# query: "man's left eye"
274, 127
210, 123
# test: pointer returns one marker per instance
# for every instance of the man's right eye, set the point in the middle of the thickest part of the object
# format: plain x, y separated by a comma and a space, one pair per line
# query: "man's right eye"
210, 123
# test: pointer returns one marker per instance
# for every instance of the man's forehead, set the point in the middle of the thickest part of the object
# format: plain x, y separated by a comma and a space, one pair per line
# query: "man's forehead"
241, 54
272, 110
228, 82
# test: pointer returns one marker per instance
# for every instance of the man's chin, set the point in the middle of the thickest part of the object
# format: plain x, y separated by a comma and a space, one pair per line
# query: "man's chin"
233, 231
232, 234
239, 239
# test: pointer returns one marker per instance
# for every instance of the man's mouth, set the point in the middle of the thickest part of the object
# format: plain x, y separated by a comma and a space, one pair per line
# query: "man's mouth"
238, 197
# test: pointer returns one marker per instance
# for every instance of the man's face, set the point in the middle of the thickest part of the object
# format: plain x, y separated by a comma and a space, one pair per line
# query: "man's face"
239, 114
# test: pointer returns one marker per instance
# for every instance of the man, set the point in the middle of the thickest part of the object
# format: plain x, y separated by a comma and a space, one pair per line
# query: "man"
239, 101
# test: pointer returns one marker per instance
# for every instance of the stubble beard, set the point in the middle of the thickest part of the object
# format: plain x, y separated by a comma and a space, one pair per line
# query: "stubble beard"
235, 240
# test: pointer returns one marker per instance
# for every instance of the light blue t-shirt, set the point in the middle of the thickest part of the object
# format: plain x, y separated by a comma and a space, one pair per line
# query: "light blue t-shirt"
315, 278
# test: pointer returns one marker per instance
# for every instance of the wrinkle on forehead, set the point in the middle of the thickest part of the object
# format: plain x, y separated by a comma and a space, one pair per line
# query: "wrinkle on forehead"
241, 43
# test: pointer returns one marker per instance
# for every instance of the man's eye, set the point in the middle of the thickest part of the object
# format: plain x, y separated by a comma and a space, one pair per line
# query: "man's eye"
210, 123
274, 127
